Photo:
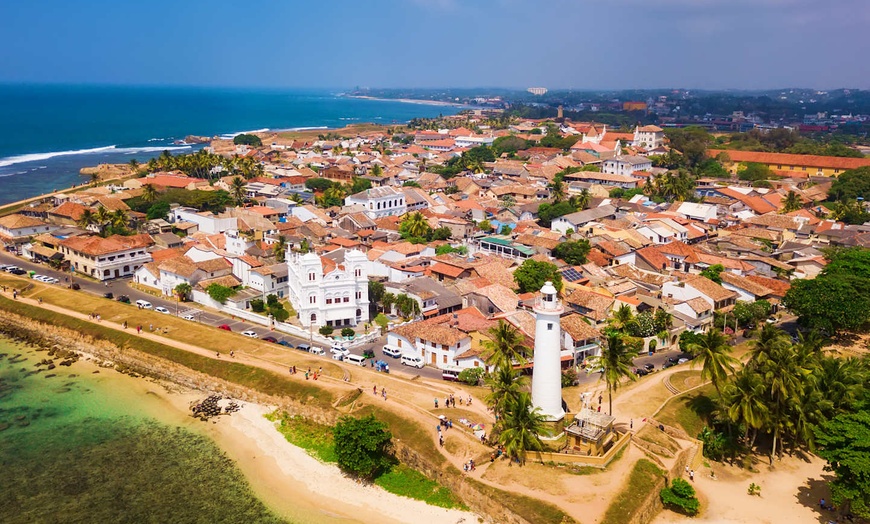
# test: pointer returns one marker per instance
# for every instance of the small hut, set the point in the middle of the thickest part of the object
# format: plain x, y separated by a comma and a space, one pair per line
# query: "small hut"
591, 433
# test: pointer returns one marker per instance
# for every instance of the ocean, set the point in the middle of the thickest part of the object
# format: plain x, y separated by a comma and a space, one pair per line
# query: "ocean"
79, 446
49, 132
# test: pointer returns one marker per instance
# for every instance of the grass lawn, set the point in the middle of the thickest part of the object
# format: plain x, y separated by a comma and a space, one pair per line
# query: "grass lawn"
408, 482
654, 436
689, 411
314, 438
531, 509
641, 481
686, 379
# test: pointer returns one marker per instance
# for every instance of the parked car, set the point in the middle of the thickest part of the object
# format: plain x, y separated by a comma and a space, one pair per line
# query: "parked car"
649, 366
413, 361
682, 361
123, 298
161, 309
641, 372
109, 295
303, 347
189, 317
392, 352
668, 364
144, 304
285, 343
673, 360
225, 327
368, 353
17, 271
270, 339
250, 334
337, 356
317, 351
339, 349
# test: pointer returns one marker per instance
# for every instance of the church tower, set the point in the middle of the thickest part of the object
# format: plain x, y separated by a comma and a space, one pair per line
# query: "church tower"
547, 371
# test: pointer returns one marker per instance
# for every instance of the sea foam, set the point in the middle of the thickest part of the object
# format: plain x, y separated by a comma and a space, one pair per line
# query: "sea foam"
34, 157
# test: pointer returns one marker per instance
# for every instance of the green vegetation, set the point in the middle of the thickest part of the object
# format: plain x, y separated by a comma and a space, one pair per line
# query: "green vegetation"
347, 332
573, 253
326, 330
851, 185
203, 164
753, 172
676, 185
361, 446
820, 302
680, 497
314, 438
844, 442
445, 249
247, 140
642, 479
785, 141
548, 212
220, 293
616, 358
471, 376
532, 274
214, 201
408, 482
416, 229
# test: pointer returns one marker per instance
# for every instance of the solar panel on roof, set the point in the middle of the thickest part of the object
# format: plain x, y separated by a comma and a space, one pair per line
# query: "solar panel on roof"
571, 274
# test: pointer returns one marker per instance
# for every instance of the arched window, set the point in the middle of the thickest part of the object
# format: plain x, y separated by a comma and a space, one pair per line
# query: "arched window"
313, 318
312, 276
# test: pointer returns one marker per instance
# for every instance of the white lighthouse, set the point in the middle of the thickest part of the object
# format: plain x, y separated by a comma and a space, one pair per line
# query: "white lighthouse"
547, 371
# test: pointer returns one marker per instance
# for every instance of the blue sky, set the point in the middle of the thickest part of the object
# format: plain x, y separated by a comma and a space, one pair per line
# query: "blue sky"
581, 44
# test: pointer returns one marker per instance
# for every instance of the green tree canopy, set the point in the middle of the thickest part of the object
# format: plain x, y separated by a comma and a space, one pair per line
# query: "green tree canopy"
844, 442
573, 253
247, 139
220, 293
362, 446
318, 184
713, 273
532, 274
851, 185
548, 212
754, 171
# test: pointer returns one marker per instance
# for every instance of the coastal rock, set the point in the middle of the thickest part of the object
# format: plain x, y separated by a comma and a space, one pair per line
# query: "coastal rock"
194, 139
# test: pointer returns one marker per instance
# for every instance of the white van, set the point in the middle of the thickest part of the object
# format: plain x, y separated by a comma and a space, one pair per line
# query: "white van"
355, 359
317, 351
144, 304
412, 360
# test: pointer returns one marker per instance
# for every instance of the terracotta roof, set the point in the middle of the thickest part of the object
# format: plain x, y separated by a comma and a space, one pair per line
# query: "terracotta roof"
745, 284
653, 257
446, 269
776, 286
182, 266
17, 221
93, 245
698, 305
504, 298
430, 332
598, 304
784, 159
709, 288
226, 280
68, 209
578, 328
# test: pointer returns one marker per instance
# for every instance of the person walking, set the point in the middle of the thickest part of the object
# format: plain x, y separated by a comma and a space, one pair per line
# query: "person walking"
440, 440
375, 389
139, 329
631, 423
384, 393
692, 475
469, 400
436, 402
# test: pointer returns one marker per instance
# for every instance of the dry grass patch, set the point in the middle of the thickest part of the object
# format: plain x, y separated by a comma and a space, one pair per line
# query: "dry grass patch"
686, 380
652, 435
533, 476
689, 411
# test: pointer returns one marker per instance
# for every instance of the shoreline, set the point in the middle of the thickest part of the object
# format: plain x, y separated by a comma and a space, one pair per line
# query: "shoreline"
411, 101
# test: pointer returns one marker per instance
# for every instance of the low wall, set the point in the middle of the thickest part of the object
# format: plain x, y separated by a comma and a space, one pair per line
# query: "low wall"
579, 459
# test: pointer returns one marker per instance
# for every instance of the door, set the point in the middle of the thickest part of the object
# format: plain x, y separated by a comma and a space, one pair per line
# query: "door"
433, 358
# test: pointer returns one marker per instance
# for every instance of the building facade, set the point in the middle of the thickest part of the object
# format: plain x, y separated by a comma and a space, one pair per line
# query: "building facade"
324, 293
107, 258
379, 202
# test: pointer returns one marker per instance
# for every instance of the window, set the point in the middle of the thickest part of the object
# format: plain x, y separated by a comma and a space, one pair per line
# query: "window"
357, 272
329, 301
359, 295
445, 358
312, 299
346, 299
399, 343
312, 276
549, 326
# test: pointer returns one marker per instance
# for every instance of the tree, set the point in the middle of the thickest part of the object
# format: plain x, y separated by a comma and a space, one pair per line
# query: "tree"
549, 212
754, 171
220, 293
237, 190
332, 197
471, 376
134, 165
852, 184
415, 226
791, 202
441, 233
119, 220
714, 355
149, 193
382, 321
746, 402
573, 253
86, 219
520, 427
359, 185
713, 273
820, 302
362, 446
505, 386
557, 189
506, 346
158, 210
485, 225
376, 291
616, 358
247, 139
680, 497
581, 201
258, 306
622, 317
318, 184
95, 177
326, 330
183, 290
347, 332
844, 442
851, 212
532, 274
279, 248
407, 306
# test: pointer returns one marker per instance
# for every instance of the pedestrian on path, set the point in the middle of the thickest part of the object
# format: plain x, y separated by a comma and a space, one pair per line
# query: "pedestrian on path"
375, 389
436, 402
692, 475
469, 400
139, 329
440, 440
631, 424
384, 393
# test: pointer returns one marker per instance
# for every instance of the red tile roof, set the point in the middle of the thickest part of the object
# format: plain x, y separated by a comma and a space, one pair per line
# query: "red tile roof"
784, 159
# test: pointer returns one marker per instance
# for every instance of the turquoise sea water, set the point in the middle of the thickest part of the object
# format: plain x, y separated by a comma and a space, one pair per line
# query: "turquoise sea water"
49, 132
79, 447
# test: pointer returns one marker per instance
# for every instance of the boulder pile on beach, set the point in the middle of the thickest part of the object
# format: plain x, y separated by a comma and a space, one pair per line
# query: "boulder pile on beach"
212, 406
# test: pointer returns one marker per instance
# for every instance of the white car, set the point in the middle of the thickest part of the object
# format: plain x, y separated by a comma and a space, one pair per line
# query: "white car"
337, 349
250, 334
189, 317
161, 309
52, 280
40, 278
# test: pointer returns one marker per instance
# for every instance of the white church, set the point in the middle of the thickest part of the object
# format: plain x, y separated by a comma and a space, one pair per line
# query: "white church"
325, 293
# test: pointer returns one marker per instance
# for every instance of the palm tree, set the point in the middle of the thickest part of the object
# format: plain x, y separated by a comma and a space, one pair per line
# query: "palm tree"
791, 202
86, 219
506, 346
95, 177
507, 202
746, 401
622, 317
616, 359
416, 225
387, 302
505, 386
581, 201
714, 354
520, 428
182, 291
149, 193
280, 248
134, 165
102, 217
119, 220
557, 189
237, 190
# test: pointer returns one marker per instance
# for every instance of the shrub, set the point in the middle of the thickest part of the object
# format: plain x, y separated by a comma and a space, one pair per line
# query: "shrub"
347, 332
220, 293
471, 376
680, 497
361, 445
248, 140
279, 313
326, 330
569, 377
257, 306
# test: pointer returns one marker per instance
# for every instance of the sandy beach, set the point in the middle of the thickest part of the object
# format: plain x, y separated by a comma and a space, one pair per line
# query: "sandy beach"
303, 489
410, 101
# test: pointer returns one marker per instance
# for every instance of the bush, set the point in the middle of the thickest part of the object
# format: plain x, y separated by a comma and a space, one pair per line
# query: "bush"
272, 301
680, 497
361, 445
347, 332
220, 293
279, 313
569, 377
247, 140
257, 306
326, 330
471, 376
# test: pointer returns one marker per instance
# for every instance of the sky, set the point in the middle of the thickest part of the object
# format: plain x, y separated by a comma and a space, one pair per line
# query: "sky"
558, 44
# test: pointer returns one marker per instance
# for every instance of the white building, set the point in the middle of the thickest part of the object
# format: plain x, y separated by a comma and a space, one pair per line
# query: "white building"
695, 211
206, 221
474, 141
379, 202
547, 369
626, 165
16, 229
648, 137
106, 258
325, 293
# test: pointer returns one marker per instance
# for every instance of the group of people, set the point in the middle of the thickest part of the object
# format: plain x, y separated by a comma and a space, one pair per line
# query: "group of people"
450, 401
383, 391
468, 466
690, 473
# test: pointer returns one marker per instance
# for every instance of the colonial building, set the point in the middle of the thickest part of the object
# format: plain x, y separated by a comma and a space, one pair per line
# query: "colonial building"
106, 258
379, 202
17, 229
648, 137
326, 293
626, 165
